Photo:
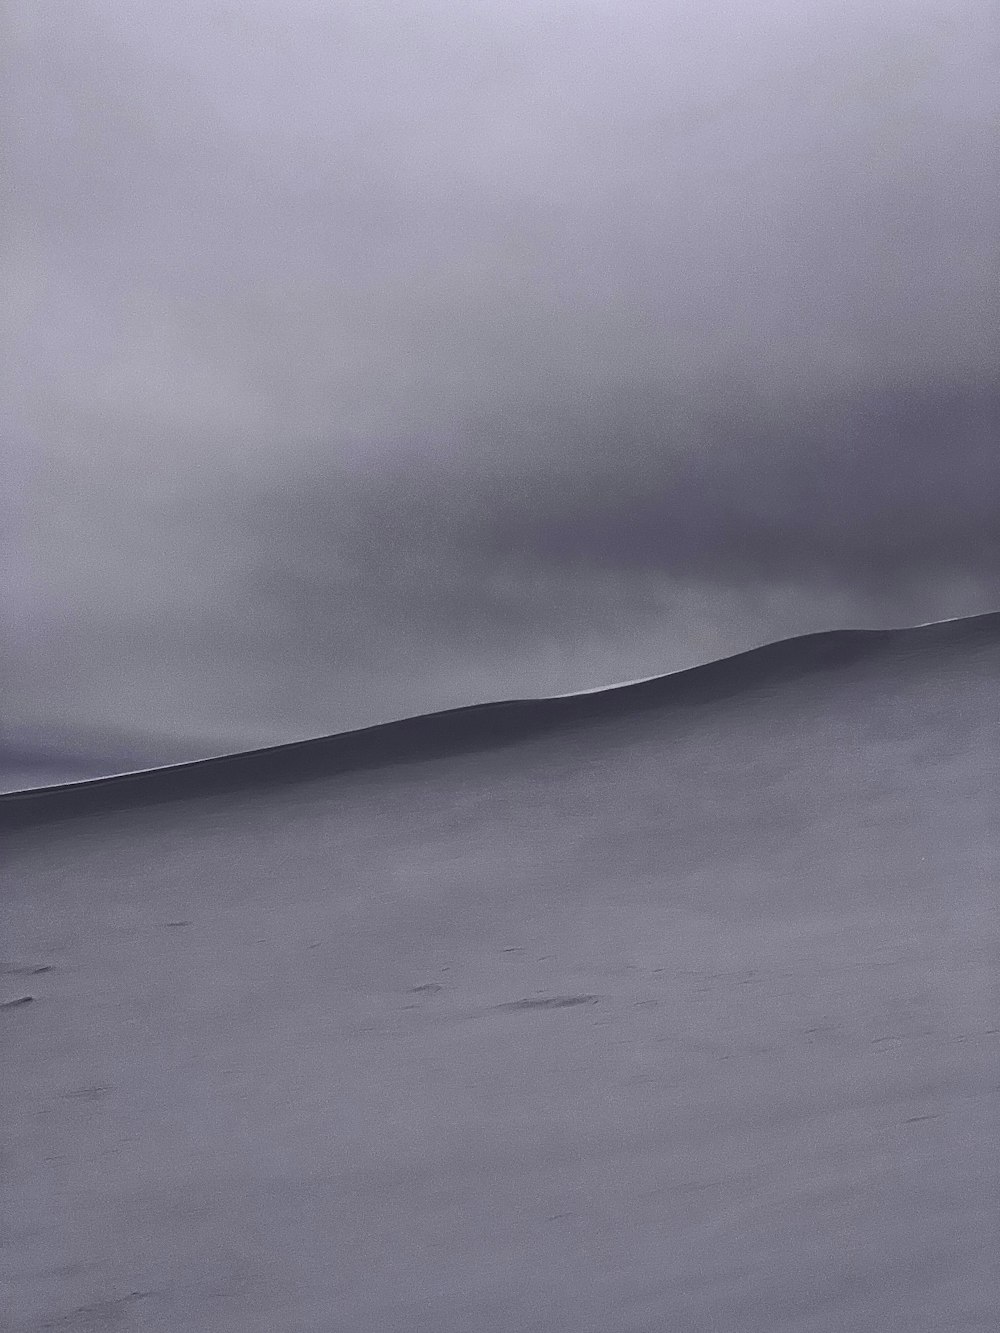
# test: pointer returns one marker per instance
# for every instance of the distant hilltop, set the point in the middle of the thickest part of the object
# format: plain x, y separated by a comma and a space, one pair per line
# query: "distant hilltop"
493, 725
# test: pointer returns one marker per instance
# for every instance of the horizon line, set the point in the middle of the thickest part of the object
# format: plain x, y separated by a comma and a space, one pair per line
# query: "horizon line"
615, 687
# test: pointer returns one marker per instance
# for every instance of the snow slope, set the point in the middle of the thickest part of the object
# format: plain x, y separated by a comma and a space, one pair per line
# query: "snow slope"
673, 1006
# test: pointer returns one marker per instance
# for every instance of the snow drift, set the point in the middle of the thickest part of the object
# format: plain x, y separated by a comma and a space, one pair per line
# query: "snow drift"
672, 1006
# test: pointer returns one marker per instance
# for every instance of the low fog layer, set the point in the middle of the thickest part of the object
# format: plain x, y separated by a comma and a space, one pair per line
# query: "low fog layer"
367, 362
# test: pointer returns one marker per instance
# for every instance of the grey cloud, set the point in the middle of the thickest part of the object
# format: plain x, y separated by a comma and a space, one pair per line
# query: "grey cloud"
896, 484
337, 225
358, 336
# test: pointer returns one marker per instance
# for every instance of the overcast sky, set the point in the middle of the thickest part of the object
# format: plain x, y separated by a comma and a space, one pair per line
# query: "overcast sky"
370, 357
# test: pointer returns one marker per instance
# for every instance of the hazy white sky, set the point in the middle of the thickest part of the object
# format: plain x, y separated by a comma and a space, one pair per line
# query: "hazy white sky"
370, 357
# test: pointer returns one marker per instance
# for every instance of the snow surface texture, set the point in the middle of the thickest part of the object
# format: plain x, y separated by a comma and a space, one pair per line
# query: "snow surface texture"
669, 1008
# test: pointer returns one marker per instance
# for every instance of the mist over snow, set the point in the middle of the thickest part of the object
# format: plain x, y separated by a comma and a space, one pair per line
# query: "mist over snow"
366, 359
